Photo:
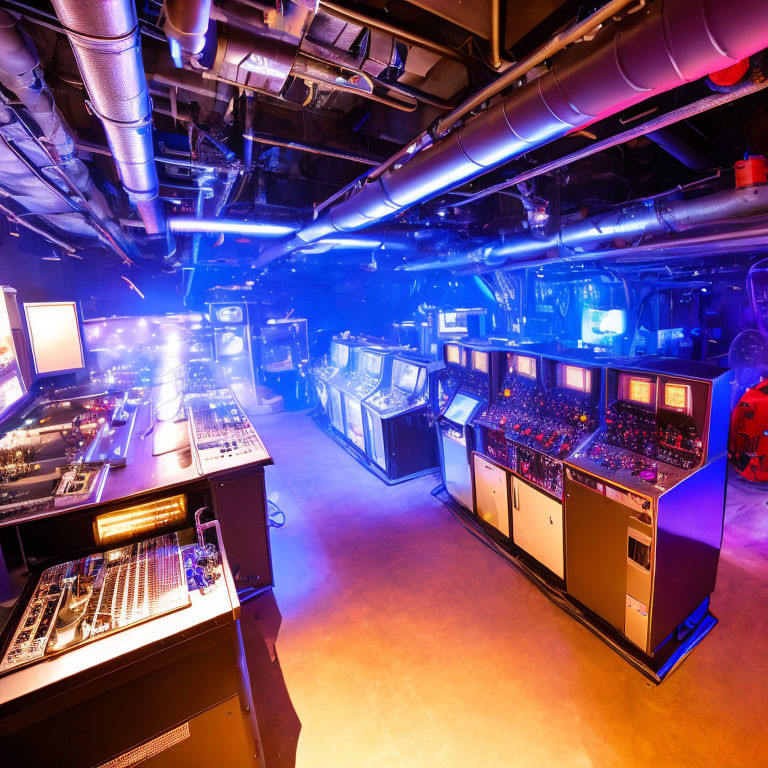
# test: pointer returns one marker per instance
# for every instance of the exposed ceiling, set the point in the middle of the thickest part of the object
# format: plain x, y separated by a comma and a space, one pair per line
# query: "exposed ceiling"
114, 138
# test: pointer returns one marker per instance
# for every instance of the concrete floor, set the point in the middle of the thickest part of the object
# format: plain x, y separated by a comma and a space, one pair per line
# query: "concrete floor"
406, 642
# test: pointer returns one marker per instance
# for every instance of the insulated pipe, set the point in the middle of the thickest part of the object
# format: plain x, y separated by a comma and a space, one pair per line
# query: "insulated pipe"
186, 21
667, 45
626, 223
105, 40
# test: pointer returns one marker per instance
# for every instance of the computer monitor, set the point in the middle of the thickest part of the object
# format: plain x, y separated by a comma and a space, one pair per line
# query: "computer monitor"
54, 336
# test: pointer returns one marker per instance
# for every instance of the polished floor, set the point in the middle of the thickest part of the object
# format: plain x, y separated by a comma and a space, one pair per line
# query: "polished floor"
406, 642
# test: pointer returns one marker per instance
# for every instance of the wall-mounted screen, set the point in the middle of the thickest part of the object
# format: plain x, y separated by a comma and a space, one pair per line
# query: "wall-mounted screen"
453, 354
677, 397
526, 366
405, 376
602, 326
461, 409
480, 361
54, 335
576, 377
372, 364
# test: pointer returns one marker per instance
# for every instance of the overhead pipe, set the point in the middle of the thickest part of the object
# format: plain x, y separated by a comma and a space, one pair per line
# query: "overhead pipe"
105, 40
666, 45
643, 129
511, 76
306, 146
644, 219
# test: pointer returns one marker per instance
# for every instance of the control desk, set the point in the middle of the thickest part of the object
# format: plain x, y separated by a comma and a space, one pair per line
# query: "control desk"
645, 499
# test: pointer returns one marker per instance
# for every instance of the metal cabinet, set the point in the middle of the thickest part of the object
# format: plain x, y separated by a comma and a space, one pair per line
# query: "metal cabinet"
537, 525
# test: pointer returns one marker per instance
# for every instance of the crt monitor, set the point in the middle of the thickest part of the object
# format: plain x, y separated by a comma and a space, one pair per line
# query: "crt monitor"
404, 376
601, 326
461, 409
54, 335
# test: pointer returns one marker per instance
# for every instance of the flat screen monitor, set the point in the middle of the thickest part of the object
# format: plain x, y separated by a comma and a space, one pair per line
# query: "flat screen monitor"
12, 387
602, 326
54, 335
453, 354
404, 376
480, 361
460, 410
526, 366
372, 364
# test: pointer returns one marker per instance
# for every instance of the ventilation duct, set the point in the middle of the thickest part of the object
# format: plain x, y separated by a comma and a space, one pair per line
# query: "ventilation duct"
664, 46
105, 41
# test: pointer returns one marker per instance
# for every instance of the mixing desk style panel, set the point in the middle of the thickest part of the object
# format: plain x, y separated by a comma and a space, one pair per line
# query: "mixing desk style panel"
79, 601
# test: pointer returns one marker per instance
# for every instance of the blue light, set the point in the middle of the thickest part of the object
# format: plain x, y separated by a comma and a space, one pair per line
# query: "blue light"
218, 226
175, 53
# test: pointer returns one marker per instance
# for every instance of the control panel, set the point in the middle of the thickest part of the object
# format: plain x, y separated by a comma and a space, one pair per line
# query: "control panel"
222, 434
545, 409
655, 427
79, 601
406, 387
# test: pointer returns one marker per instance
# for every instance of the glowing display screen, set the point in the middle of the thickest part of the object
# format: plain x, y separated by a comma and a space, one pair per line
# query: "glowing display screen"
452, 322
577, 378
404, 376
453, 354
480, 361
677, 397
372, 364
526, 366
460, 410
229, 314
54, 334
639, 391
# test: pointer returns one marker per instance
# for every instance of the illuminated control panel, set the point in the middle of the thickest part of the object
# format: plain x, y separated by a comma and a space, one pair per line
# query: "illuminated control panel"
364, 372
655, 427
545, 409
82, 600
222, 434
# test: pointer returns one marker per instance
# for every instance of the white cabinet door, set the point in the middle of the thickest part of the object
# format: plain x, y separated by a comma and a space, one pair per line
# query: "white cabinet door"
491, 494
456, 474
537, 525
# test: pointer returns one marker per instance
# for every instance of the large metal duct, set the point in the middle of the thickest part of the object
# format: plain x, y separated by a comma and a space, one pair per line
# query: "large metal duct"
623, 225
186, 21
39, 169
105, 40
670, 43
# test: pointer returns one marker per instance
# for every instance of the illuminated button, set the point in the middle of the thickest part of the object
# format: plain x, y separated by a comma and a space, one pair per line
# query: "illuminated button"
507, 392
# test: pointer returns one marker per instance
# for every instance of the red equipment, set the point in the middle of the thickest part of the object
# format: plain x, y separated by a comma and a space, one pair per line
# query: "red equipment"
748, 446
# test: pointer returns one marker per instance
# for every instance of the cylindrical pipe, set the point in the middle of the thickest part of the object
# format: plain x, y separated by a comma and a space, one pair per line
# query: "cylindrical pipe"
651, 52
644, 219
234, 226
669, 118
316, 149
186, 21
105, 41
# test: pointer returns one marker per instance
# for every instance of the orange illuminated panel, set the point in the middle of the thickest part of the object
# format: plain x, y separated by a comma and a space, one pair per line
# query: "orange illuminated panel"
639, 391
526, 366
577, 378
677, 397
452, 354
480, 361
139, 520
